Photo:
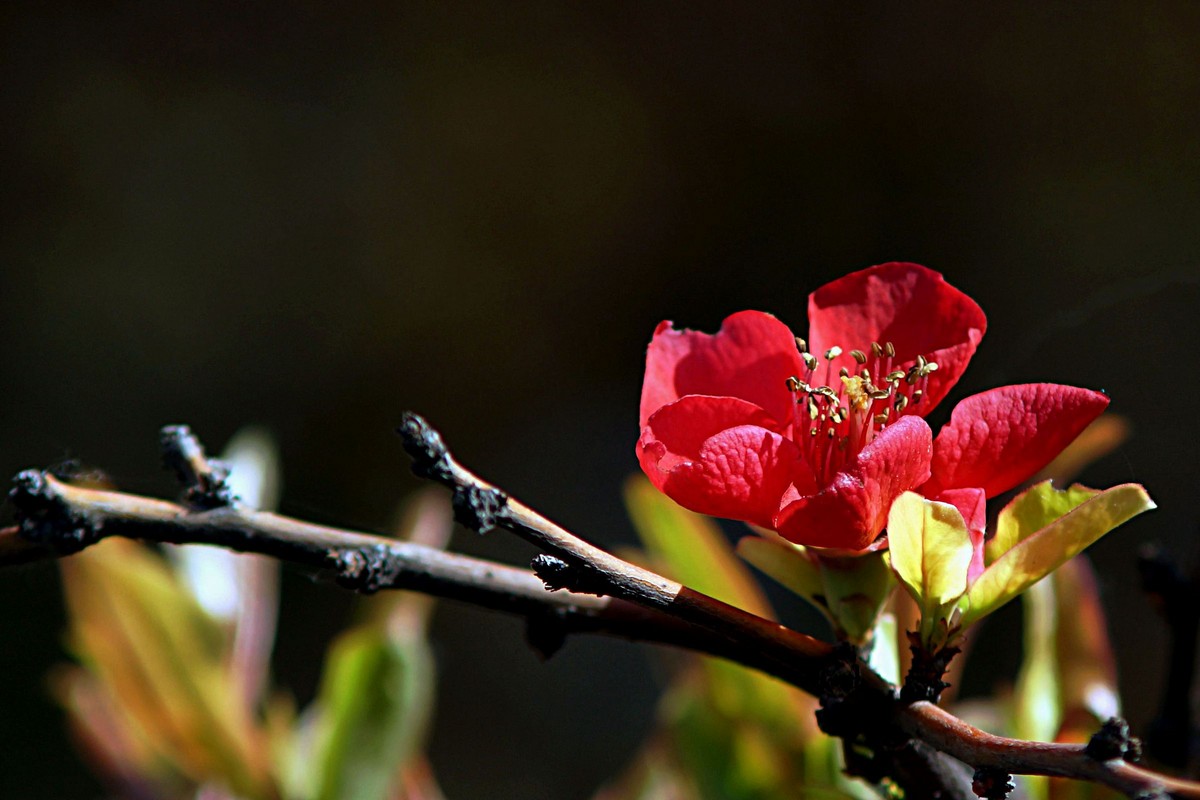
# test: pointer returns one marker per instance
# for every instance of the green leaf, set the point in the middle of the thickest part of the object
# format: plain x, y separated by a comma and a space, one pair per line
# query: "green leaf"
692, 548
373, 706
1040, 553
789, 564
1030, 511
929, 549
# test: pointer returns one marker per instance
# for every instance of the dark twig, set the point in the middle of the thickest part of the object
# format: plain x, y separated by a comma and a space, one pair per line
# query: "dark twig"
908, 743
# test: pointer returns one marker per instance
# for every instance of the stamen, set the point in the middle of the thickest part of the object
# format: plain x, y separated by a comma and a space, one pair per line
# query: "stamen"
793, 384
843, 373
833, 353
876, 350
895, 376
801, 345
810, 361
859, 356
890, 349
901, 403
813, 410
916, 396
880, 419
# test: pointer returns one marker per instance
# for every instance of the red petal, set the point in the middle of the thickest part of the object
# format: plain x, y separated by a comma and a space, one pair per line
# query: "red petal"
1000, 437
751, 358
715, 456
971, 503
908, 305
850, 512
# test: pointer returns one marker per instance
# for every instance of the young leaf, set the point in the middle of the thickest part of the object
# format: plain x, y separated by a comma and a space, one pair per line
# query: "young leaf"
929, 549
1040, 553
1030, 511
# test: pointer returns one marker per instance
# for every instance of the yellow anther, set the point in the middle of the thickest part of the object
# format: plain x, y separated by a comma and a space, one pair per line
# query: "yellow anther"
901, 403
793, 384
859, 356
890, 349
810, 361
921, 362
843, 373
895, 376
833, 353
916, 396
876, 350
881, 418
813, 410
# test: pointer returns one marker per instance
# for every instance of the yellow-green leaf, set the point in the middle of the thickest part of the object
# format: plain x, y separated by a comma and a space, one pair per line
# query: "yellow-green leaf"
1040, 553
1032, 510
929, 548
789, 564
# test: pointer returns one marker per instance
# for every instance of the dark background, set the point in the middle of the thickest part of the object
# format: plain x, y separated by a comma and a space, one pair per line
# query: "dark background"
312, 217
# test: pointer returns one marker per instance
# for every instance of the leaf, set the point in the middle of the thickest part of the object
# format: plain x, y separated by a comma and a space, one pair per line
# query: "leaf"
692, 547
1040, 553
1030, 511
160, 658
929, 550
789, 564
374, 704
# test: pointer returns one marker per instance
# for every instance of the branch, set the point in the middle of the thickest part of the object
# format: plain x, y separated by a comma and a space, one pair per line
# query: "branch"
608, 596
58, 518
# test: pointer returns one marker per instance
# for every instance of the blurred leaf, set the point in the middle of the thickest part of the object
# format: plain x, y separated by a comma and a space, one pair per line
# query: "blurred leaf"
1030, 511
374, 700
369, 720
160, 658
1040, 553
693, 547
728, 733
929, 549
1106, 433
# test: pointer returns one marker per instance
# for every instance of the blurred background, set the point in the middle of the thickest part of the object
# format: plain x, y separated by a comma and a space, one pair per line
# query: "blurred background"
313, 217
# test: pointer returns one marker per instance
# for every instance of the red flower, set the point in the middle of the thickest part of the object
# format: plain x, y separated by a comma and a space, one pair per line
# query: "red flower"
815, 440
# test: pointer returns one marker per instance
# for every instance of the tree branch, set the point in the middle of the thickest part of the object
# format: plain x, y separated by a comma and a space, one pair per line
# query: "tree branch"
607, 596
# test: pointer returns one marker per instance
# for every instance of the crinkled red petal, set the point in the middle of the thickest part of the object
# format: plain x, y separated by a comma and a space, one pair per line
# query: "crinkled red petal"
908, 305
1000, 437
852, 510
750, 358
971, 503
714, 455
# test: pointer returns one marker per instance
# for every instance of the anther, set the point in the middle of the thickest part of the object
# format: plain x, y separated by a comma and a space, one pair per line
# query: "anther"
801, 345
813, 410
890, 349
859, 356
810, 361
876, 350
916, 396
833, 353
879, 394
921, 362
901, 403
865, 374
881, 418
793, 384
895, 376
830, 432
843, 373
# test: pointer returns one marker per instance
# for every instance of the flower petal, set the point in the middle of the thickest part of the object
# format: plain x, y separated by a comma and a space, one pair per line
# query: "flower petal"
971, 503
751, 358
908, 305
850, 512
715, 456
1000, 437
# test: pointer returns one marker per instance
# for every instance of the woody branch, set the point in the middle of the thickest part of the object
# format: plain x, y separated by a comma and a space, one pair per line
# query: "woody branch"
600, 594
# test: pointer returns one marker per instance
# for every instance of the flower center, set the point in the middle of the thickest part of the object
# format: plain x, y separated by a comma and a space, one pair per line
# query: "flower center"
834, 420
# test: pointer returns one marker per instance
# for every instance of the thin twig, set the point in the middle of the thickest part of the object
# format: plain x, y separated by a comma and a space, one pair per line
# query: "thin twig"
609, 596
